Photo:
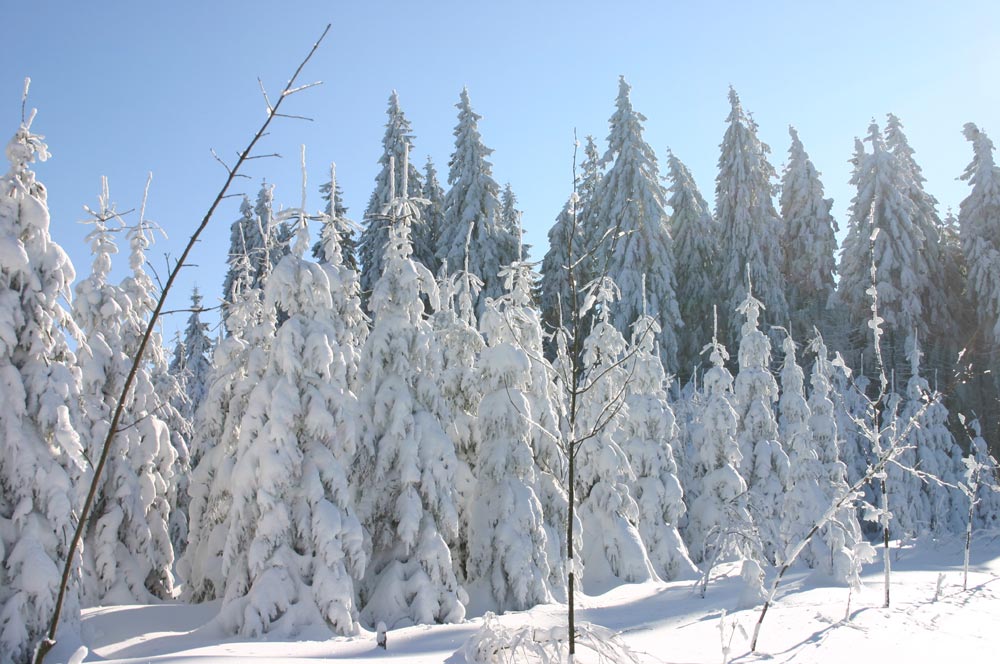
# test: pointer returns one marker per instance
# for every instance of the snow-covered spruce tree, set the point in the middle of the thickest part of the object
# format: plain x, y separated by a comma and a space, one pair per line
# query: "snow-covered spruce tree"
336, 223
128, 550
595, 239
648, 435
433, 214
406, 464
460, 344
238, 365
749, 227
631, 199
471, 233
564, 237
979, 220
520, 326
197, 365
718, 519
924, 505
943, 342
696, 247
979, 224
837, 549
613, 551
244, 240
372, 243
882, 206
295, 548
809, 243
510, 225
42, 456
264, 257
148, 441
765, 463
508, 561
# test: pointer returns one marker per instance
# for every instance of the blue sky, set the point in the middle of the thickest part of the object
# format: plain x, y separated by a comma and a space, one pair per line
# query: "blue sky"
125, 88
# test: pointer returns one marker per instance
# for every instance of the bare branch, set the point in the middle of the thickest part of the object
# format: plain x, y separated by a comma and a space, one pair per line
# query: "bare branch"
49, 641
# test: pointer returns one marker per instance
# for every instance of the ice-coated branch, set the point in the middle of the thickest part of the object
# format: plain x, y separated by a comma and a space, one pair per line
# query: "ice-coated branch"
49, 641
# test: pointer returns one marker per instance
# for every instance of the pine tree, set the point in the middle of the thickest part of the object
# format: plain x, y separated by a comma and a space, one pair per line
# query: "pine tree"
629, 198
522, 328
238, 366
649, 435
197, 351
809, 243
845, 547
979, 219
433, 214
565, 239
979, 232
398, 139
613, 551
595, 240
507, 531
243, 237
472, 237
460, 344
765, 463
935, 298
696, 248
718, 518
749, 226
406, 463
883, 209
510, 225
42, 455
336, 223
294, 549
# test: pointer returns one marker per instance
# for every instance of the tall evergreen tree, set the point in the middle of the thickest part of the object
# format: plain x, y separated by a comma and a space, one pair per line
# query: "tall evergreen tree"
336, 223
765, 463
809, 241
749, 226
522, 328
433, 214
649, 435
613, 548
883, 220
294, 548
398, 139
565, 240
629, 198
509, 551
472, 236
197, 365
510, 224
979, 220
696, 250
238, 365
979, 232
718, 519
406, 463
42, 456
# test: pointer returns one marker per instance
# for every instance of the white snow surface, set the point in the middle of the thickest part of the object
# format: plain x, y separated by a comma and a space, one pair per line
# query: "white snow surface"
663, 622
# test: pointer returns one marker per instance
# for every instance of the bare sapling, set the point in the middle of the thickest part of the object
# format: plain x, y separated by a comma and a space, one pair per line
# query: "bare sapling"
883, 452
272, 109
975, 468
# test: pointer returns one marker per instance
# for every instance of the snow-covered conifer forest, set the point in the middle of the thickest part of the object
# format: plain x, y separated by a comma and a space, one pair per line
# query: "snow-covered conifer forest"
411, 423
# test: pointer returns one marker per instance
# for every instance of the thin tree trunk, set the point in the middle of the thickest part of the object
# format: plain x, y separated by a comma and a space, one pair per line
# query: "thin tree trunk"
49, 641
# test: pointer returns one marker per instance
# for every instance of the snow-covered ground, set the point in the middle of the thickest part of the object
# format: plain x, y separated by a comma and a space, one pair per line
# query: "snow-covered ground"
662, 622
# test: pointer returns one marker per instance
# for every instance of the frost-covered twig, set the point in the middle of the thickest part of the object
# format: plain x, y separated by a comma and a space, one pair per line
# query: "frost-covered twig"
50, 640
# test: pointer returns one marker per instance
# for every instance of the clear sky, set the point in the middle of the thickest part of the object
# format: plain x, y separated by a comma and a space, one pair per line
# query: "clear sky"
125, 88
